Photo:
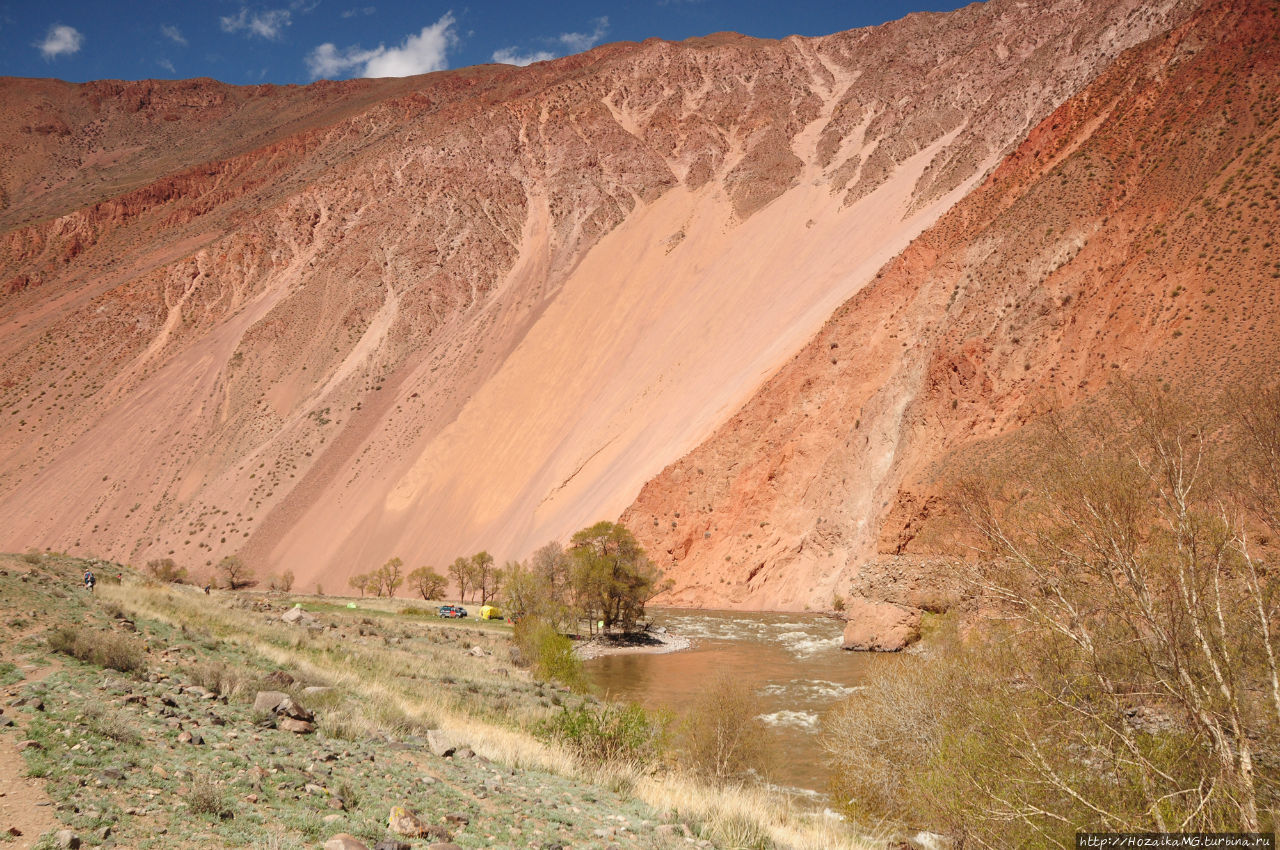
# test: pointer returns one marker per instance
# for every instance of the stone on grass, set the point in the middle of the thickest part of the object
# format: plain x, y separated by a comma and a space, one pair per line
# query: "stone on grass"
294, 615
266, 702
66, 839
297, 727
440, 742
343, 841
404, 822
880, 626
392, 844
289, 708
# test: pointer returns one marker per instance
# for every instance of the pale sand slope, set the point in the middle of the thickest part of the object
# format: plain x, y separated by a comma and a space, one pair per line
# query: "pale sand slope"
652, 342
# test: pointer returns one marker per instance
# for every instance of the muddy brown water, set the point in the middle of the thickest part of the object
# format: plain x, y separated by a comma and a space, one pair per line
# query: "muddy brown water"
792, 662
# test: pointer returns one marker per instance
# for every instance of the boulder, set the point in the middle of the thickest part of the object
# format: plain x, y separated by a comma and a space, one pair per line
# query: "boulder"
880, 626
440, 742
296, 616
266, 702
297, 727
343, 841
289, 708
404, 822
66, 839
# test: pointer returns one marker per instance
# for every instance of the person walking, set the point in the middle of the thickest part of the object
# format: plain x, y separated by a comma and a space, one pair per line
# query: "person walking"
89, 580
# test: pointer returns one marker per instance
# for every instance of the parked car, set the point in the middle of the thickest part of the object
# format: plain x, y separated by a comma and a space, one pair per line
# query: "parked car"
452, 611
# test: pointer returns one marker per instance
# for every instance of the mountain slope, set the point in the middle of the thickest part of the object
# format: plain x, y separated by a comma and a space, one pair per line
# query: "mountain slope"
473, 309
1132, 233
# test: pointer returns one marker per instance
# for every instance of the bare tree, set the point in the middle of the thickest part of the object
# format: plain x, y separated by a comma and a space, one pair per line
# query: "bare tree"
234, 572
1125, 677
388, 577
460, 572
484, 576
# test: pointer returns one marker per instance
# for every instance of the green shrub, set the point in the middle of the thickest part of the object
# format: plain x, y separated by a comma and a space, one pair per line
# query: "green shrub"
549, 653
96, 646
610, 734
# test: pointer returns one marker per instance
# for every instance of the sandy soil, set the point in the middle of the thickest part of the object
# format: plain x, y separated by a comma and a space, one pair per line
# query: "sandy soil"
24, 805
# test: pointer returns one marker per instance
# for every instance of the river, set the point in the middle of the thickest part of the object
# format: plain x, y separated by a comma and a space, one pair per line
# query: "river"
792, 662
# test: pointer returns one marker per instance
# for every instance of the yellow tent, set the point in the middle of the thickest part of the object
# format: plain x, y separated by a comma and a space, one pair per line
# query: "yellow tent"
489, 612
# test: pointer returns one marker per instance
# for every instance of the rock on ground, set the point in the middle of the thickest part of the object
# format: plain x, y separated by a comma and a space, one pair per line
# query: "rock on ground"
880, 626
343, 841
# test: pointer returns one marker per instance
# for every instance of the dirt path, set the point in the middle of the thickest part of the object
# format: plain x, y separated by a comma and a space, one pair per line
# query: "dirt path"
24, 805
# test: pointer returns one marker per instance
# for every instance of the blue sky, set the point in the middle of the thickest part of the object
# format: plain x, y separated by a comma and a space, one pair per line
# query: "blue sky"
297, 41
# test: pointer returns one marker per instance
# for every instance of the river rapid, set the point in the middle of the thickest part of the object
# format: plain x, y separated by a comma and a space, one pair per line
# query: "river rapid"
792, 662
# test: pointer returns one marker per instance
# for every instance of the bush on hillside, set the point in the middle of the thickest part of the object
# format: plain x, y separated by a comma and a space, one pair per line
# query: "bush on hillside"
96, 646
549, 653
610, 734
721, 738
1127, 680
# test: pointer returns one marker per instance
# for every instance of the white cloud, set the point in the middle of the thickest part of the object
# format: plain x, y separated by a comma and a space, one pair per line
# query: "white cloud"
576, 42
571, 42
510, 56
359, 10
418, 54
61, 40
267, 23
167, 65
173, 34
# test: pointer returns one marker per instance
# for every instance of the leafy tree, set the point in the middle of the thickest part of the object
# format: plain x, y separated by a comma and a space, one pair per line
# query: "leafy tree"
427, 582
234, 572
361, 582
460, 572
611, 575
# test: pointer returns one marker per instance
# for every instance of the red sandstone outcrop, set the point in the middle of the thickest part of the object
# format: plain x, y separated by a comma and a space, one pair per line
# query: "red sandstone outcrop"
1133, 233
875, 626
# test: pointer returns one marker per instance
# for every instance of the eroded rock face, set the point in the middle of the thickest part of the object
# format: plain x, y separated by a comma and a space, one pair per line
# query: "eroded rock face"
880, 626
1109, 243
476, 309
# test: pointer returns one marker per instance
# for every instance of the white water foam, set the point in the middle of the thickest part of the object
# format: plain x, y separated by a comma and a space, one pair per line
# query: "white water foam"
811, 689
786, 717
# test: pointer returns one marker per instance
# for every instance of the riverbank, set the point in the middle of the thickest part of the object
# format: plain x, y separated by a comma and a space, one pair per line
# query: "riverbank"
649, 642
